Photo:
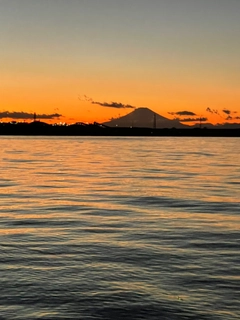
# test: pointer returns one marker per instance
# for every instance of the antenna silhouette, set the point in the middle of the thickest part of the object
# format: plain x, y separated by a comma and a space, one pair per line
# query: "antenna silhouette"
200, 122
154, 121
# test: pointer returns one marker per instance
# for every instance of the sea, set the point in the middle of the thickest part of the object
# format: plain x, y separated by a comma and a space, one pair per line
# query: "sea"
119, 228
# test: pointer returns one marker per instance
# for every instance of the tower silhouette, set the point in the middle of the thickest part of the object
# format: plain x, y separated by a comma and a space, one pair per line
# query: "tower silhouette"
154, 121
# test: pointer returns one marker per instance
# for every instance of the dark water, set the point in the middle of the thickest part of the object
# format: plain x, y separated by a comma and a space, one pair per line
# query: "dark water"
119, 228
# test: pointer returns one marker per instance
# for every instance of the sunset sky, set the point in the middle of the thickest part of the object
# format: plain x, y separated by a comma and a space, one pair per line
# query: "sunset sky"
91, 60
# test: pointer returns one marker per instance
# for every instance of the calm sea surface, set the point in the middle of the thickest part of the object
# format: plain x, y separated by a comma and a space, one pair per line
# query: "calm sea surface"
119, 228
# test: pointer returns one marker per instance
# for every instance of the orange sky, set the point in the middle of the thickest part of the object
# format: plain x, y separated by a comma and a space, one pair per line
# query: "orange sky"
44, 94
169, 57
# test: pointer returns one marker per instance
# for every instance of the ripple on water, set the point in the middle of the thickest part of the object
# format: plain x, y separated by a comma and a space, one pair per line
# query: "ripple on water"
127, 228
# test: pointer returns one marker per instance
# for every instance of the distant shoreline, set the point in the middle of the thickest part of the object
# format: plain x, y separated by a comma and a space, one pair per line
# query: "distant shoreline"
43, 129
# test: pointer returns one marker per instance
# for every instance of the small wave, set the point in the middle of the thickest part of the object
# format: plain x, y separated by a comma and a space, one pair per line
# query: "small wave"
198, 206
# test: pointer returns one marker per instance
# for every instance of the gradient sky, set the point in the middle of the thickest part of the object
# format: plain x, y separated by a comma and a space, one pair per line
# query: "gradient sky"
167, 55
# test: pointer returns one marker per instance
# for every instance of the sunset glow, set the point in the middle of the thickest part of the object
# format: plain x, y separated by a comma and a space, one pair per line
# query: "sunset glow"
60, 57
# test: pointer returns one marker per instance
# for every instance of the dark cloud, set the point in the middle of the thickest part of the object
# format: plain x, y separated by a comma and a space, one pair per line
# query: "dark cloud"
232, 118
193, 119
49, 116
212, 111
116, 105
183, 113
25, 115
85, 98
227, 111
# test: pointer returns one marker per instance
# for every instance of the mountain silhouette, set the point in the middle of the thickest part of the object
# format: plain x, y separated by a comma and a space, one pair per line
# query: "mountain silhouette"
144, 118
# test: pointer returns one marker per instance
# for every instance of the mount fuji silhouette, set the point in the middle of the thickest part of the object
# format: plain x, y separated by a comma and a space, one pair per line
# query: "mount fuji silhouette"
144, 118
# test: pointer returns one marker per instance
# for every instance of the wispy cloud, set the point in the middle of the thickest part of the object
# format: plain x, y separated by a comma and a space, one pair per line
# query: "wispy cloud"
117, 105
230, 114
85, 98
227, 114
232, 118
214, 111
193, 119
113, 104
183, 113
25, 115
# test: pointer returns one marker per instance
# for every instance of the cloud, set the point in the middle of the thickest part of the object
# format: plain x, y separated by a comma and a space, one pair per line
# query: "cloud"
49, 116
193, 119
227, 111
85, 98
116, 105
232, 118
183, 113
212, 111
25, 115
209, 110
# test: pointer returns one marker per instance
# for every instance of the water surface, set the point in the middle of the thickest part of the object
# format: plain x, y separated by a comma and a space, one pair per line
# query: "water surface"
119, 228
